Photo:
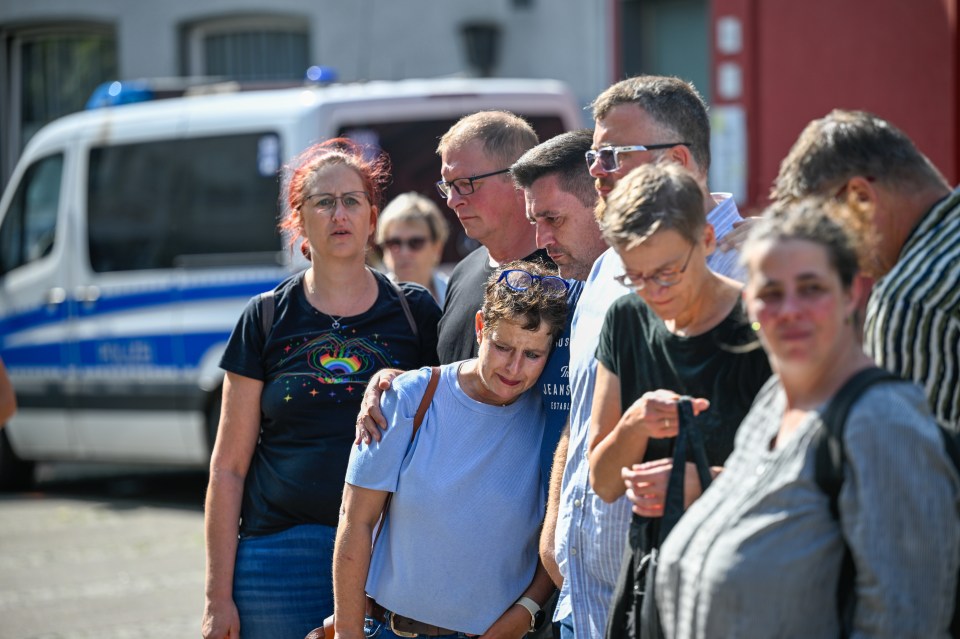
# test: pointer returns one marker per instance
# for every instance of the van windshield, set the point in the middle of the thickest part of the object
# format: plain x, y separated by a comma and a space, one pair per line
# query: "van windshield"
412, 149
184, 202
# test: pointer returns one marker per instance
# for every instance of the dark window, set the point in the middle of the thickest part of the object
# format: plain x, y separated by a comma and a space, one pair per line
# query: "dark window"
666, 37
52, 70
412, 147
29, 228
256, 55
185, 202
58, 73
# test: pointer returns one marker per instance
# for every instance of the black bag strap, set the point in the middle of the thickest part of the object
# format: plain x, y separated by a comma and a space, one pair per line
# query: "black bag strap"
828, 468
829, 447
417, 420
267, 309
404, 304
689, 442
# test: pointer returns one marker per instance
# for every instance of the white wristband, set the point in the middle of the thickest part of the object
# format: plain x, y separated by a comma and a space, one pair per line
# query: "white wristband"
532, 607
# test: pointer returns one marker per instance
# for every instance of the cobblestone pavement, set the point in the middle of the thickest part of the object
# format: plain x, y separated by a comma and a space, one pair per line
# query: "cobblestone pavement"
109, 556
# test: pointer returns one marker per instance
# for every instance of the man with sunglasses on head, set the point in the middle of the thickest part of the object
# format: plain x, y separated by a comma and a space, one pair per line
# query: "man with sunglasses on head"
638, 121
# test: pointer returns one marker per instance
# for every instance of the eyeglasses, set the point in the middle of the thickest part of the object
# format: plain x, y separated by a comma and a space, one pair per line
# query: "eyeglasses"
464, 186
520, 280
664, 277
609, 156
412, 243
323, 202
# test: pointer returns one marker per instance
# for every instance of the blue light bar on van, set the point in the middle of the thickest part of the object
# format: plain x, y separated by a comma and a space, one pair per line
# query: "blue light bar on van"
115, 93
321, 74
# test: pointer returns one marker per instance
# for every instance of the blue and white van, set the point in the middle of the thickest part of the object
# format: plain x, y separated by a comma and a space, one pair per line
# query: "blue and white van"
132, 236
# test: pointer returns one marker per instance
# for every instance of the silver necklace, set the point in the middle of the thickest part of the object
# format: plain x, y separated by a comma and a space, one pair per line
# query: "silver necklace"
334, 321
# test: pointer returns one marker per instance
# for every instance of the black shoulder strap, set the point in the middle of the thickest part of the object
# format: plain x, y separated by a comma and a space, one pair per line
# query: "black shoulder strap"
404, 304
266, 313
828, 470
829, 451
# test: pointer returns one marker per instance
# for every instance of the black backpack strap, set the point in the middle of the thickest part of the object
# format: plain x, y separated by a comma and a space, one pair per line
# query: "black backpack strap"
404, 304
828, 470
267, 307
829, 445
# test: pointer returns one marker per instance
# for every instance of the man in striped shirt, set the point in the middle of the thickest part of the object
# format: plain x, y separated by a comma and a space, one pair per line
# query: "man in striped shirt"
912, 324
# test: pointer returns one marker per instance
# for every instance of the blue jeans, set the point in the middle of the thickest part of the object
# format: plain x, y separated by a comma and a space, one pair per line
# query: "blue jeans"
566, 627
283, 583
373, 628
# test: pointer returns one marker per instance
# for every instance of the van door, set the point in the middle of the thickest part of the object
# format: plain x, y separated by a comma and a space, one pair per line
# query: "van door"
181, 233
127, 345
35, 306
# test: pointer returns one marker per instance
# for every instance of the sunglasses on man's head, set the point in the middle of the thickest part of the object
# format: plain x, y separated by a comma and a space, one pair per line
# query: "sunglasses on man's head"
412, 243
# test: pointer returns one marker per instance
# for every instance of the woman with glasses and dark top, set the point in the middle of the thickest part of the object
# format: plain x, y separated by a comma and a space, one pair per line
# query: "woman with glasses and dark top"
761, 554
412, 233
291, 394
458, 552
677, 336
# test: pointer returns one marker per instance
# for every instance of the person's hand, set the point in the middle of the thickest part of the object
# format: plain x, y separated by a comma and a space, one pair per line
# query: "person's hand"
735, 238
370, 421
655, 413
220, 620
512, 624
647, 485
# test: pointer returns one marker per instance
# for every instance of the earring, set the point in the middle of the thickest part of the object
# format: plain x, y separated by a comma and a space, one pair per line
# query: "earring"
755, 326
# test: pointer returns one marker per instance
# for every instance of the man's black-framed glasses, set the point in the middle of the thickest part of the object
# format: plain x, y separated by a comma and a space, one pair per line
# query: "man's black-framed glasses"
664, 277
464, 186
520, 280
609, 156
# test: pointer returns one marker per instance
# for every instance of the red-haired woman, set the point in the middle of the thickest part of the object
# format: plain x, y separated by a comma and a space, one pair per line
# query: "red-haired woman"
291, 398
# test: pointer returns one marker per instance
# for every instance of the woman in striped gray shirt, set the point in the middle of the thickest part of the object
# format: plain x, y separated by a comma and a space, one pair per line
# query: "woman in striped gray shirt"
760, 553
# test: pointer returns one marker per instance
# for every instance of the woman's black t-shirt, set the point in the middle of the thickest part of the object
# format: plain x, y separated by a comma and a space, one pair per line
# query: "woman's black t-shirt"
314, 376
637, 347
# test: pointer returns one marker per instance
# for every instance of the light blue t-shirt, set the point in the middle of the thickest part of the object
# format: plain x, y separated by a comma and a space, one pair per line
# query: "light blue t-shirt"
459, 545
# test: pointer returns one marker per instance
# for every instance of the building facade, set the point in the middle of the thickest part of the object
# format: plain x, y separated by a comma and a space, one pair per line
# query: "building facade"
55, 52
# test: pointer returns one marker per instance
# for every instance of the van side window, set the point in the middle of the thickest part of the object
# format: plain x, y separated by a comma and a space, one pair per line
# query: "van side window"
29, 228
208, 201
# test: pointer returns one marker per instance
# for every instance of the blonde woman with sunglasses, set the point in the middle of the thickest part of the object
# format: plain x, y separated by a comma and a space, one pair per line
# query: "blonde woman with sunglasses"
411, 234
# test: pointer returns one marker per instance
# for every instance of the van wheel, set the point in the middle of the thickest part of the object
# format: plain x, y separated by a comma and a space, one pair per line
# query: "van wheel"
213, 417
15, 473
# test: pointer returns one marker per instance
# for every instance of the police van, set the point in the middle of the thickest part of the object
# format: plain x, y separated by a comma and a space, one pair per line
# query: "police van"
132, 236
